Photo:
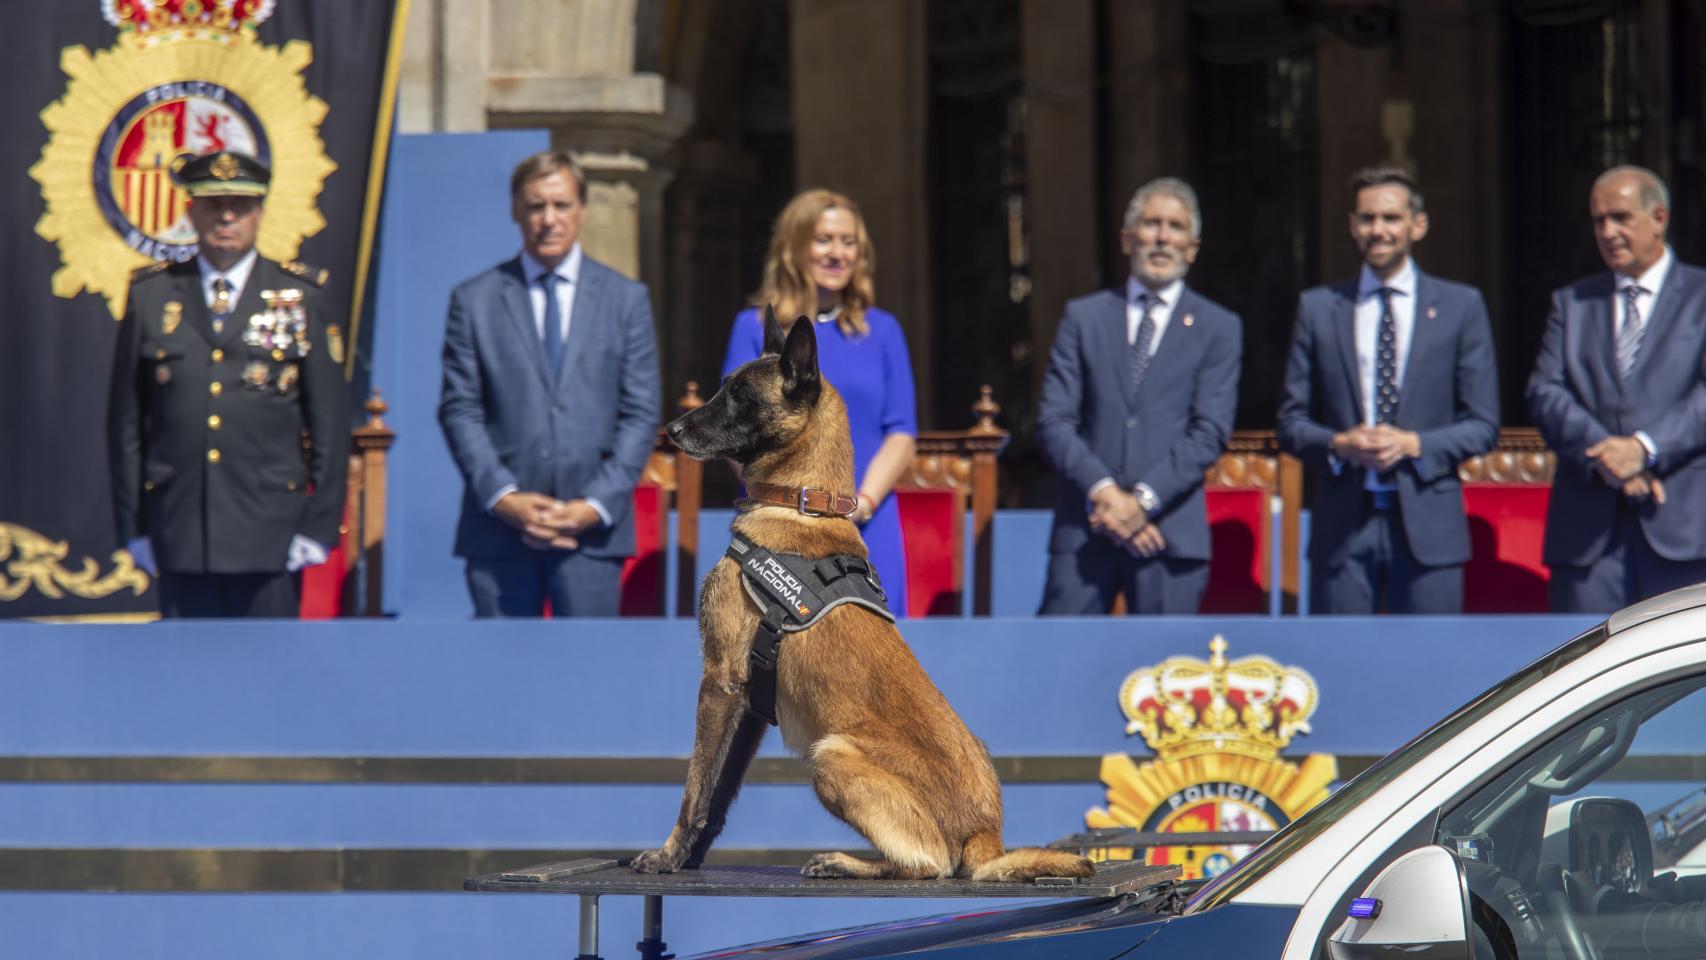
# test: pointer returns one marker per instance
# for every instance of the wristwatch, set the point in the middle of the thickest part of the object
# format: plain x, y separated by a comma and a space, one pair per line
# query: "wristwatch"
1146, 498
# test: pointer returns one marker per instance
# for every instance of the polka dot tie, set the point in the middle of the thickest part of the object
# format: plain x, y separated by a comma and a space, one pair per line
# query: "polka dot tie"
1386, 362
1146, 303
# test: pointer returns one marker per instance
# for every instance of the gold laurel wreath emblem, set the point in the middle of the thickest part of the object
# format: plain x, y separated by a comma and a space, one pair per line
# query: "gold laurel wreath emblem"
93, 256
28, 559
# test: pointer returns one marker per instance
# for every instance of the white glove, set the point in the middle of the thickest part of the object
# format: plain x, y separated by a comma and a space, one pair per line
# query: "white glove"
142, 554
304, 553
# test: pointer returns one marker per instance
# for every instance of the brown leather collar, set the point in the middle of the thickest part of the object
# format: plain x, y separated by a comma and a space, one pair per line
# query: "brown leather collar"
807, 500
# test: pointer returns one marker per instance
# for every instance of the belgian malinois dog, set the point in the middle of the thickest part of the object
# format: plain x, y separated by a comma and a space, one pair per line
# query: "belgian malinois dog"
887, 754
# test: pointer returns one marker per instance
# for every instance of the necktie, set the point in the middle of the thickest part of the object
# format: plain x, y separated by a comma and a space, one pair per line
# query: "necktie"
1629, 338
553, 324
1146, 303
1386, 362
221, 303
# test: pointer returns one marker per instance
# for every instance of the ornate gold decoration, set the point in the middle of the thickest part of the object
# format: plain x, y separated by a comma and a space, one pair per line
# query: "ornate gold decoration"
32, 560
1250, 707
1217, 727
171, 315
224, 167
335, 342
212, 59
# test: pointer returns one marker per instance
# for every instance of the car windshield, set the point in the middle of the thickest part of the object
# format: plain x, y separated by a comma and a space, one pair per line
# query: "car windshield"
1309, 826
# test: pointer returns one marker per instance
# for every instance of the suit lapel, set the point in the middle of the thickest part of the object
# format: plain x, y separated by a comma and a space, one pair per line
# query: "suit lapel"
1666, 306
1177, 338
588, 308
1114, 343
248, 302
518, 306
1345, 324
189, 293
1599, 340
1426, 330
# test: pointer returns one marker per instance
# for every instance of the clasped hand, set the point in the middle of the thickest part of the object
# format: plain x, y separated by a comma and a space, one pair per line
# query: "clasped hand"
1379, 447
1116, 514
546, 523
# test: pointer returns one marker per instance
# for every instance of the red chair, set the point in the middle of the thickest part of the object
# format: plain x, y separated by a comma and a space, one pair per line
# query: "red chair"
1505, 494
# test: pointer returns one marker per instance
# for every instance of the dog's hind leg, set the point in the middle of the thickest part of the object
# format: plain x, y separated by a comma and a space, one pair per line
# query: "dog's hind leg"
882, 807
725, 739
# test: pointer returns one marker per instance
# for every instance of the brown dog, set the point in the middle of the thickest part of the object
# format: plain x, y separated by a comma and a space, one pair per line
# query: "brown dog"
886, 752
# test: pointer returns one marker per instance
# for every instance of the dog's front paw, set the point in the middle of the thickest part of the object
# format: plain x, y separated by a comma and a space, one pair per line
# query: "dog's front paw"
656, 861
831, 866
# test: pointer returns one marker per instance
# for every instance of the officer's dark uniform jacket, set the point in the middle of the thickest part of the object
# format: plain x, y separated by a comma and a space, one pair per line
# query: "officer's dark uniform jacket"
217, 441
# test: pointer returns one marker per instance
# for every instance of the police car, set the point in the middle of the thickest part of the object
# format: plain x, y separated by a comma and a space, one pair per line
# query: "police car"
1558, 815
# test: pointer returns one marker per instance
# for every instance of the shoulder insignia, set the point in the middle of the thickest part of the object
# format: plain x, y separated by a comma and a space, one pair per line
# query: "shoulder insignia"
149, 270
315, 275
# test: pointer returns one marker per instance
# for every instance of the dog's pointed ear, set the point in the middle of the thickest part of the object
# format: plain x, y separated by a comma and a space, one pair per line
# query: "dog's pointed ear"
773, 336
801, 382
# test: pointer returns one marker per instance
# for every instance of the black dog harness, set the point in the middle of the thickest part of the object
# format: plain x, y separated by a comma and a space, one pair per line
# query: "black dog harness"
794, 592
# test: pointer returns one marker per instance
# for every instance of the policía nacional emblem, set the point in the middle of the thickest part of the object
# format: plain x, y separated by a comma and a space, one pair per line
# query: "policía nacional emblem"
1217, 728
171, 315
335, 342
185, 77
255, 374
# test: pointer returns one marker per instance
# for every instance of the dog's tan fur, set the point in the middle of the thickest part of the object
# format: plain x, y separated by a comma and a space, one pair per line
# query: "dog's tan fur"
887, 754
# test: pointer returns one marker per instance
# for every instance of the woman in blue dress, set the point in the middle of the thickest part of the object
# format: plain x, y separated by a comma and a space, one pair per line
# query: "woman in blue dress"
819, 268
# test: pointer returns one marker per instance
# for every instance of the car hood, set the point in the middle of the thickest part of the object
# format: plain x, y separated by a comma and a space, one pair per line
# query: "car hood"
1080, 929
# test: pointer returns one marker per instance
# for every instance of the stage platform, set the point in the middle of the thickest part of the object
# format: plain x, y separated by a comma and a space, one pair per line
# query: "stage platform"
323, 789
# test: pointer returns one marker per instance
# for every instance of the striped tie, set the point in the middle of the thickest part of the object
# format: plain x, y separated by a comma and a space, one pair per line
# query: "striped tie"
1629, 337
1146, 302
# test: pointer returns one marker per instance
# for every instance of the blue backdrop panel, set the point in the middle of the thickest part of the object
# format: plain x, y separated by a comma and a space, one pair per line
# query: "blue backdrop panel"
446, 218
444, 688
537, 688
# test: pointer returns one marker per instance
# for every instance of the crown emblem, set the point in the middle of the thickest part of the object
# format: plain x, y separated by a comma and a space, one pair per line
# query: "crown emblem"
224, 167
1185, 707
146, 16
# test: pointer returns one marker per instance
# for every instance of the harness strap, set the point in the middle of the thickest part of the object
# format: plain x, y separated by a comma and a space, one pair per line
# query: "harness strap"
761, 679
793, 593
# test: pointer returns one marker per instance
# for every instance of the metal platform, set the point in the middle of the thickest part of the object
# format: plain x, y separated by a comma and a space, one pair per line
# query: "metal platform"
591, 879
613, 877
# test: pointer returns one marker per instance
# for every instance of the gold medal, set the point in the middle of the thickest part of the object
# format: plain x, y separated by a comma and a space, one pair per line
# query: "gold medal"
277, 354
170, 316
255, 374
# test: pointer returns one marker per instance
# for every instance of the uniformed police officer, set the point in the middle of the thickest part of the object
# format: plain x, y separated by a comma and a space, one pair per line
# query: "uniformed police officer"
229, 416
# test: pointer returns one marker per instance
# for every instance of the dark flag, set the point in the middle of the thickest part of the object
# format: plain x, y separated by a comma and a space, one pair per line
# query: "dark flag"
102, 97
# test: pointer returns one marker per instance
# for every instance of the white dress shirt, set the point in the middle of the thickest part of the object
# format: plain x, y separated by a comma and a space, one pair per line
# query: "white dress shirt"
570, 272
1368, 310
237, 276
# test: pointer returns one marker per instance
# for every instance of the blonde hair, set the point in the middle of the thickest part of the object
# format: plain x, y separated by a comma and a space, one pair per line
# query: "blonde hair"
787, 285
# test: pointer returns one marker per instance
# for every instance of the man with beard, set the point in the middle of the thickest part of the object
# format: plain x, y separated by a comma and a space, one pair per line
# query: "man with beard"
1137, 403
1390, 385
1619, 393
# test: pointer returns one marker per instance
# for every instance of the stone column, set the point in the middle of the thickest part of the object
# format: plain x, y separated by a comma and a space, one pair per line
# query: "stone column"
860, 128
621, 130
1057, 37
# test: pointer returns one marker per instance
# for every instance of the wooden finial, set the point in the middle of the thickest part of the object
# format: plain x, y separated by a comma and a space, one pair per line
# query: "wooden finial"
376, 409
986, 410
691, 400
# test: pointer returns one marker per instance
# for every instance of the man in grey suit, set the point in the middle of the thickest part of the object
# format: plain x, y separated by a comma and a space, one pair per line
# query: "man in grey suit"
1619, 393
550, 406
1138, 402
1390, 384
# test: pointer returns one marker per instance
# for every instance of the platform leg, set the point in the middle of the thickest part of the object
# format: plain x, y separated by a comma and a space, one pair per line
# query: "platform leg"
589, 927
652, 946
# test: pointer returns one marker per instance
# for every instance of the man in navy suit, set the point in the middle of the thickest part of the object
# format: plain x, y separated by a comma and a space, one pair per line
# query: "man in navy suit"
1619, 393
550, 406
1390, 384
1138, 401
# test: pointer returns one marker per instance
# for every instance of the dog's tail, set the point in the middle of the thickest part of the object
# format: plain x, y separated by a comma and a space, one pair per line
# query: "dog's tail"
984, 859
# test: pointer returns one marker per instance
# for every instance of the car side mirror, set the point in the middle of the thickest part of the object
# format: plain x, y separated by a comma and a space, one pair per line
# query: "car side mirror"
1418, 905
